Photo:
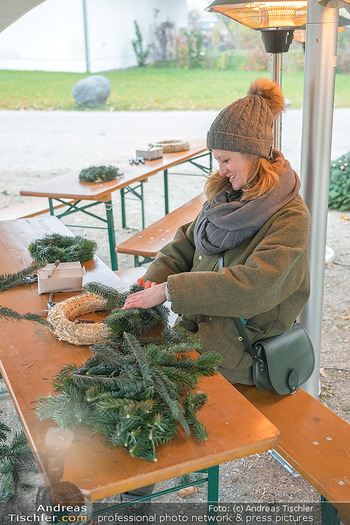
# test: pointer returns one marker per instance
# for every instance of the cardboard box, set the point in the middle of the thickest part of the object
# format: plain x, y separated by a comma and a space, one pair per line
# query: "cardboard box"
151, 153
68, 277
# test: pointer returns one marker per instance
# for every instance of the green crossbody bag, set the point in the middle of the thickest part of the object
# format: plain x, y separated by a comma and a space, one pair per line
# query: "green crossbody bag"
283, 362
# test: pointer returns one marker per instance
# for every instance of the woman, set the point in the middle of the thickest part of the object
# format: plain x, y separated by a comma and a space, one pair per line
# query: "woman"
255, 223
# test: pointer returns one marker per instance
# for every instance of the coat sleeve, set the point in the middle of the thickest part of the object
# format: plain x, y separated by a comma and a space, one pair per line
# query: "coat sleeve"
175, 257
271, 273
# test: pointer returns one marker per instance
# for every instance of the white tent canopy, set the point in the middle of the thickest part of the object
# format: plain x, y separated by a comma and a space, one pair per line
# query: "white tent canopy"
11, 10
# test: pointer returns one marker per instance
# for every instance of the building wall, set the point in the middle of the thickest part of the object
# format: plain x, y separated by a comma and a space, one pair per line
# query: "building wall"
51, 37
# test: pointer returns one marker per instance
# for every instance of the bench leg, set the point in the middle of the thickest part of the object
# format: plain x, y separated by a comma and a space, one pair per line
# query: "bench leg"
111, 235
329, 513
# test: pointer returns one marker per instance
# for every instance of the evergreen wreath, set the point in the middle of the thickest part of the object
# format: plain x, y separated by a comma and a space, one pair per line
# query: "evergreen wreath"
65, 248
101, 297
99, 174
134, 320
137, 396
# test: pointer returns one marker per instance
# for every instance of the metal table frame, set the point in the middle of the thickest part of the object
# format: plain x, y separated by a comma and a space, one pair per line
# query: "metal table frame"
137, 191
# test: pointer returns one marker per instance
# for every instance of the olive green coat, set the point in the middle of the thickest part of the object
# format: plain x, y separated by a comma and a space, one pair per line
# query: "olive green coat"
265, 280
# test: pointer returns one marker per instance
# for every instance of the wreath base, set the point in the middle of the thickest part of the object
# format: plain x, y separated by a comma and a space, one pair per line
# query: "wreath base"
172, 146
61, 318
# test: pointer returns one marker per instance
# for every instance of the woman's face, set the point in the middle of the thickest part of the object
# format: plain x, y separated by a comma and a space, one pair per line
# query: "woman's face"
233, 165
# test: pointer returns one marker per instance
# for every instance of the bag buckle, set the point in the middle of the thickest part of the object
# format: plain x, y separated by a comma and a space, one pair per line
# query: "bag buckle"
261, 363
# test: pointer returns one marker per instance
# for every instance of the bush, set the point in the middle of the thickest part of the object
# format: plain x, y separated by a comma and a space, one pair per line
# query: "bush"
137, 44
230, 59
339, 184
343, 59
257, 58
294, 60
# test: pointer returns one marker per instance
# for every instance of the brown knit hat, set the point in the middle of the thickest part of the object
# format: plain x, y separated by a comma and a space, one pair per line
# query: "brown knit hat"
246, 124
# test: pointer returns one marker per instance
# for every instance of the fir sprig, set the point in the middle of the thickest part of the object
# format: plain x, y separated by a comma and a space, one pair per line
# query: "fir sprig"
135, 395
99, 173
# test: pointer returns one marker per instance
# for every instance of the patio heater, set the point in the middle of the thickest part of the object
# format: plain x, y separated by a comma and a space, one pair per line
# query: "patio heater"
319, 82
276, 21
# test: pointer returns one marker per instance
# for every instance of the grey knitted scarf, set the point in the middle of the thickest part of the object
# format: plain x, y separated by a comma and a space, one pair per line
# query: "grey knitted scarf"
226, 222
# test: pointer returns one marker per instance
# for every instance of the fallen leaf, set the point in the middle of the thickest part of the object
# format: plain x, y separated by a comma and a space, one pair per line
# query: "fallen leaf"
345, 218
187, 491
345, 316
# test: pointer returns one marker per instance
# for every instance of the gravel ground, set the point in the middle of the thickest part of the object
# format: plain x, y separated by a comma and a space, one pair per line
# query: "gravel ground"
259, 478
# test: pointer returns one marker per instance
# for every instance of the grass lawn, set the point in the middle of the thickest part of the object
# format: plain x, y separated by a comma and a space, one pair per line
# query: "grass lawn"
150, 89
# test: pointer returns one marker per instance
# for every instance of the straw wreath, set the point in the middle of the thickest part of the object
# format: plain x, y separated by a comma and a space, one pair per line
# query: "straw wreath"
171, 146
61, 318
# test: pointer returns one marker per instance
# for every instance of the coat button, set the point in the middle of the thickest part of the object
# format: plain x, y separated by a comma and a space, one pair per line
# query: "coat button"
200, 257
240, 338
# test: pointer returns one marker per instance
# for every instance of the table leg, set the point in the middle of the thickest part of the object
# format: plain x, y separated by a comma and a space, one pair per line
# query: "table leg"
140, 195
329, 513
51, 206
166, 191
122, 200
213, 491
111, 234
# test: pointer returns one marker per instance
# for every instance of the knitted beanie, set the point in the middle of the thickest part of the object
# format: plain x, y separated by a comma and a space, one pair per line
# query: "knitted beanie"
246, 124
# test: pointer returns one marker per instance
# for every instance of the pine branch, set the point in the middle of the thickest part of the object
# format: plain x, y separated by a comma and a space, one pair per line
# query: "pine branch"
136, 349
110, 355
12, 315
179, 376
133, 395
207, 363
174, 406
192, 403
4, 430
114, 298
10, 280
16, 461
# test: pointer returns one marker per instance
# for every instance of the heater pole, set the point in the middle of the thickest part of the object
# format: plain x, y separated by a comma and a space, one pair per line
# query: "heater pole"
319, 80
276, 76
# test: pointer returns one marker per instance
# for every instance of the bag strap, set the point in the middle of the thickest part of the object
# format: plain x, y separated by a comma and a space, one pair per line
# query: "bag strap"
239, 322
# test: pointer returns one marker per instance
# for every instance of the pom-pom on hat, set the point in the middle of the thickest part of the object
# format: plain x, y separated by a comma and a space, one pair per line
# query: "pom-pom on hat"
246, 124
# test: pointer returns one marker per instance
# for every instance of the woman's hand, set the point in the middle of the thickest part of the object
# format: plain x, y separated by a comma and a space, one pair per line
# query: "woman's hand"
143, 284
147, 298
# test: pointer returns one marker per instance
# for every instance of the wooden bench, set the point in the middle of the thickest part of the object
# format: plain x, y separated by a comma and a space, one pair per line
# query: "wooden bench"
30, 208
314, 441
149, 241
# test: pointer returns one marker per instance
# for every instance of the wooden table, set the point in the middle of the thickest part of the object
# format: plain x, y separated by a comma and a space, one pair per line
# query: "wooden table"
31, 356
64, 188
